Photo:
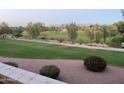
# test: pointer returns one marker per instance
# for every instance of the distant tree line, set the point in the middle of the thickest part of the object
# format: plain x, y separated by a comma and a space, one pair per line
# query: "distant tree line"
96, 33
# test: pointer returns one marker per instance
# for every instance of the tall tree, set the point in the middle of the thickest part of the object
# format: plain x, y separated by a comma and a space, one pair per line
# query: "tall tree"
120, 26
90, 32
4, 29
97, 33
113, 30
72, 29
29, 29
17, 31
105, 33
33, 30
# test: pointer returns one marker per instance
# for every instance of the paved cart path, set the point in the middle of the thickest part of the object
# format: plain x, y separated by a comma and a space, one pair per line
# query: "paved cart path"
76, 45
72, 71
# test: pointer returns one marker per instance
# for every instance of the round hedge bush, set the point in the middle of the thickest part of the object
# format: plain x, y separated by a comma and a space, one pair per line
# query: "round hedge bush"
11, 64
95, 64
51, 71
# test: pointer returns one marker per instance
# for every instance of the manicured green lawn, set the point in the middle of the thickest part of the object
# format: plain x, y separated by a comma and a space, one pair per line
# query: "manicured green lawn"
82, 36
21, 49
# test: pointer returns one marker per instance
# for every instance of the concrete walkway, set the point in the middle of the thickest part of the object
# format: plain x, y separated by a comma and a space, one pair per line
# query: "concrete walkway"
24, 76
72, 71
75, 45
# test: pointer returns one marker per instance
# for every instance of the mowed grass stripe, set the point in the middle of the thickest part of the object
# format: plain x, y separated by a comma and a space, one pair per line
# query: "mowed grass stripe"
23, 49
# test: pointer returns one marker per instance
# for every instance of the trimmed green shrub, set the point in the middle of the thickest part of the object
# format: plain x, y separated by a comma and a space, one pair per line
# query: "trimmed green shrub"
95, 64
51, 71
11, 64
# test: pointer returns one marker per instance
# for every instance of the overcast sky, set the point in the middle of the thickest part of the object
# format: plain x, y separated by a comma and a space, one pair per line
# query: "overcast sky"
60, 16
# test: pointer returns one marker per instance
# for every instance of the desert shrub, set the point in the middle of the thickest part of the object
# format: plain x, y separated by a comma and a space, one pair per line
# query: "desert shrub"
80, 41
98, 37
42, 37
116, 41
60, 40
94, 63
51, 71
11, 64
52, 38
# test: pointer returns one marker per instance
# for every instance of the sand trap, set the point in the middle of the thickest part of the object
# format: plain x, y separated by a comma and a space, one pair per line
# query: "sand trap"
73, 71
